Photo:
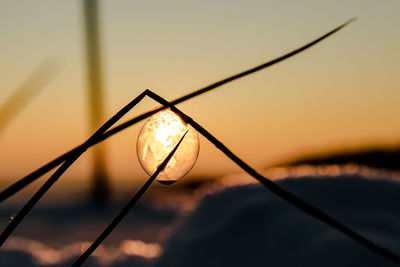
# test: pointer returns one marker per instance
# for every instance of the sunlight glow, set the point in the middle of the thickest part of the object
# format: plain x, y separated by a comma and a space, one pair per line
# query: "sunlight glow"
156, 140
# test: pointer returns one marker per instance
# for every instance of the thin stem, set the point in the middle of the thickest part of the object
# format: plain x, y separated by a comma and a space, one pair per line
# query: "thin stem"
127, 208
25, 93
274, 188
20, 184
279, 191
70, 160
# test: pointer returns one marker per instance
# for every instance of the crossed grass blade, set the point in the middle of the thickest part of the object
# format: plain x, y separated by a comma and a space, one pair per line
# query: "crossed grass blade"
70, 157
127, 208
67, 163
23, 182
292, 199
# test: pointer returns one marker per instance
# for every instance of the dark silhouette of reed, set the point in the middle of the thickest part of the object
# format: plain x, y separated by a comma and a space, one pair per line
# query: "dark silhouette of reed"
273, 187
67, 163
128, 207
99, 135
21, 183
100, 190
279, 191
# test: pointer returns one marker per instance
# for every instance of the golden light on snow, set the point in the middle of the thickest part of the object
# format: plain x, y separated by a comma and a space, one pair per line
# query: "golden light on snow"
158, 136
105, 255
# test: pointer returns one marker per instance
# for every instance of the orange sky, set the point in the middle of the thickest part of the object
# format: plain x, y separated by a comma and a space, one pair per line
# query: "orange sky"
342, 93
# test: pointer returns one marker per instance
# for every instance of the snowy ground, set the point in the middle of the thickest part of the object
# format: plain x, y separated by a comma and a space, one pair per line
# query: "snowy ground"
227, 223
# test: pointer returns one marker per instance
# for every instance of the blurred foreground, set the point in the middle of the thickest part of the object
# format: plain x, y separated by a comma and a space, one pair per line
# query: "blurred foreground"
229, 222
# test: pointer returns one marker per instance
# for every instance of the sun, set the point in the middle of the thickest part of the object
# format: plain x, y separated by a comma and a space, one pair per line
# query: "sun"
158, 137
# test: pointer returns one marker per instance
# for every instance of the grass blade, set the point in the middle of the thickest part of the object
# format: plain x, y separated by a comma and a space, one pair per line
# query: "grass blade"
127, 208
70, 160
279, 191
23, 182
24, 94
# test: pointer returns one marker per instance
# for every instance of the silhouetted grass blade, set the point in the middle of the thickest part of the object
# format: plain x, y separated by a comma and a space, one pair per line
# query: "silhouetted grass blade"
20, 184
280, 192
102, 133
127, 208
70, 160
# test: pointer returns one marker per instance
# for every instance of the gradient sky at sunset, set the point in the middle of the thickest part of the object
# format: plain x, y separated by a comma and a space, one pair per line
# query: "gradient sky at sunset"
342, 93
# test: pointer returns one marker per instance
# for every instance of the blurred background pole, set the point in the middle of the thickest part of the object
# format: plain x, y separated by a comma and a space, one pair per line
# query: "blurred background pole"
100, 190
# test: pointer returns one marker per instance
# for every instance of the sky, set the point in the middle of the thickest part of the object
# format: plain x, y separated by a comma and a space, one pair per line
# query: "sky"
342, 93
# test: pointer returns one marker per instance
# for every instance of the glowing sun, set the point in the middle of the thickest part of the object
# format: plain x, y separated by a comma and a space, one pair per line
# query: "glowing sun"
158, 137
